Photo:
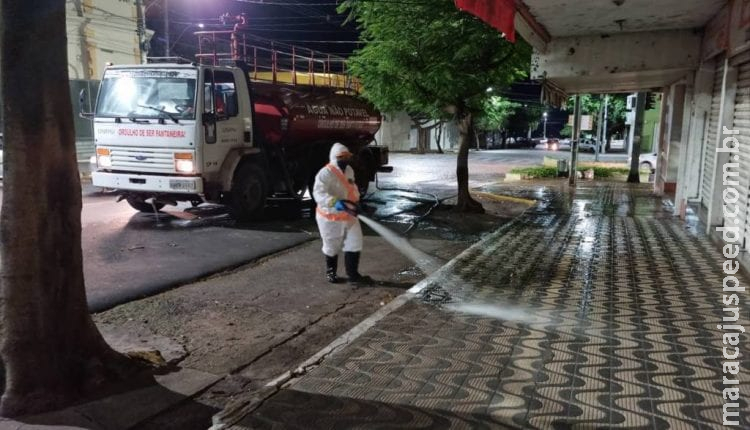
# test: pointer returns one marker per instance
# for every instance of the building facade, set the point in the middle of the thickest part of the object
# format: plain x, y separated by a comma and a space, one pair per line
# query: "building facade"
697, 53
99, 32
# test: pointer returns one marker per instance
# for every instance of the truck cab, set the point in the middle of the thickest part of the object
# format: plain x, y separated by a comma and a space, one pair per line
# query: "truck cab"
164, 132
168, 133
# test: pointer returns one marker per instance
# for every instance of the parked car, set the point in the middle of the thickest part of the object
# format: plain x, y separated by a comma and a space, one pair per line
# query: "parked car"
647, 161
519, 142
617, 145
587, 145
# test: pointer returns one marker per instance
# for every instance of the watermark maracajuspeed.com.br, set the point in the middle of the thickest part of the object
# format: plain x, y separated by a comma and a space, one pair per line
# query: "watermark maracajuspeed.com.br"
732, 235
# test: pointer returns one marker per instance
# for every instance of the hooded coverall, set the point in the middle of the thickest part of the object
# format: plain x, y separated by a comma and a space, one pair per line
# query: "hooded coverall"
338, 229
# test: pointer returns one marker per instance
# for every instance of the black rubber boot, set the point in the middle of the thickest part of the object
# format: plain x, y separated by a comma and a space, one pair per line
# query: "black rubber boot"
332, 265
351, 261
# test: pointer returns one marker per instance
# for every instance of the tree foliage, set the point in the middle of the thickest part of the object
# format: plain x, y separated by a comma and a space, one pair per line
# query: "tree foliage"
567, 131
525, 118
592, 104
430, 58
496, 113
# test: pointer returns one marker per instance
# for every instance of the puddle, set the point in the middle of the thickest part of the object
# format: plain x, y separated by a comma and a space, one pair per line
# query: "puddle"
408, 274
499, 311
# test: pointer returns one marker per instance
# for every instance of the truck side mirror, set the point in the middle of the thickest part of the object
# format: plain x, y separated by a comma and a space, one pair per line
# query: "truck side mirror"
209, 122
208, 118
81, 103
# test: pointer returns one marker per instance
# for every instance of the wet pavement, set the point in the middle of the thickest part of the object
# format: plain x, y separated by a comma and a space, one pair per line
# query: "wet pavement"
596, 311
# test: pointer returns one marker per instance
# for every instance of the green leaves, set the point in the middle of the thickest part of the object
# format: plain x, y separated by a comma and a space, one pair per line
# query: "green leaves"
495, 113
422, 57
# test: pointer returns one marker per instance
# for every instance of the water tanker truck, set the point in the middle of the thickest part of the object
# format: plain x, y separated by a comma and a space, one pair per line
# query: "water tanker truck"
188, 132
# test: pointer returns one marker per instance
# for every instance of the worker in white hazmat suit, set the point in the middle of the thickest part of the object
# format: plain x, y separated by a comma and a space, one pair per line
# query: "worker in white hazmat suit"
339, 229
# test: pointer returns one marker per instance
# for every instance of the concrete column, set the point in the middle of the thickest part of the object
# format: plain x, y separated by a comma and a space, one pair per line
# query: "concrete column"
676, 130
715, 216
669, 145
663, 140
687, 151
689, 175
635, 150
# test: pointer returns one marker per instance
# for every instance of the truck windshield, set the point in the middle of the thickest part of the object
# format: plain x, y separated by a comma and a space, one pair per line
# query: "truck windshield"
148, 93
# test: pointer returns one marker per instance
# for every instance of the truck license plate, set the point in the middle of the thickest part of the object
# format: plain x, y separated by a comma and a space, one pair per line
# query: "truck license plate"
177, 184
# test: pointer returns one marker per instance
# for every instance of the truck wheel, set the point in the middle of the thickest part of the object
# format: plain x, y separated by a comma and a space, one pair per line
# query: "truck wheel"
363, 186
310, 187
364, 170
138, 204
300, 187
249, 191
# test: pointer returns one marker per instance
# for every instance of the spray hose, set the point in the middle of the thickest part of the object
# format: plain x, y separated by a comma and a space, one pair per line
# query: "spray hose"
437, 202
352, 208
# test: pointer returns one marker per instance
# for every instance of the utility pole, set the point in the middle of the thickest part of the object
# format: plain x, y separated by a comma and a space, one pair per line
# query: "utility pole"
166, 28
604, 124
141, 29
599, 120
573, 172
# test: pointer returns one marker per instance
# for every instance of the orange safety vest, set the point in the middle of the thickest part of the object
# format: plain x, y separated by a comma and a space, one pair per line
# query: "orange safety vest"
351, 195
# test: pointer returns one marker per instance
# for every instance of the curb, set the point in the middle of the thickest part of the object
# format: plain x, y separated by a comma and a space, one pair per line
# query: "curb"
234, 413
513, 177
503, 198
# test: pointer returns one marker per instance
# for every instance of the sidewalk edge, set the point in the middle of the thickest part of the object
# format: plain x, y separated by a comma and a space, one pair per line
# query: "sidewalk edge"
232, 414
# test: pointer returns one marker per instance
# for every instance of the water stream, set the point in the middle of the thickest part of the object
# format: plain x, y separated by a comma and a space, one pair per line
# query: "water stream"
460, 290
426, 263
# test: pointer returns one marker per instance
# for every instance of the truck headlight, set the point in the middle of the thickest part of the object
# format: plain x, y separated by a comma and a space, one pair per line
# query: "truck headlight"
103, 157
183, 162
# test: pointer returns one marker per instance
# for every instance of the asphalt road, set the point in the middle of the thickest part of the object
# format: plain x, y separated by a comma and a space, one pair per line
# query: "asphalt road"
129, 255
438, 171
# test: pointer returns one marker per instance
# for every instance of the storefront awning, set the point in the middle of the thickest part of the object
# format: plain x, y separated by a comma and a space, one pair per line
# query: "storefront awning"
500, 14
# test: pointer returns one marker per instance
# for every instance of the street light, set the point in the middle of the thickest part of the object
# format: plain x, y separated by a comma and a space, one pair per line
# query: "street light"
545, 124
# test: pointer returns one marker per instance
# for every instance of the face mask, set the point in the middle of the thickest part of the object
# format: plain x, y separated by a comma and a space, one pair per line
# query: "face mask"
342, 164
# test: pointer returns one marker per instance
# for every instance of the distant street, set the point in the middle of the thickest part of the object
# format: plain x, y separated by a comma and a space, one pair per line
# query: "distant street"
128, 255
485, 166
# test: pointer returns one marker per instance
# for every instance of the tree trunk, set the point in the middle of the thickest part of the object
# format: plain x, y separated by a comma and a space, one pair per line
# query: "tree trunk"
51, 350
439, 137
423, 140
465, 202
481, 139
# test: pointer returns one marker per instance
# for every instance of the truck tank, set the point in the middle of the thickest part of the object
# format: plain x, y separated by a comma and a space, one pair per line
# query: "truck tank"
301, 115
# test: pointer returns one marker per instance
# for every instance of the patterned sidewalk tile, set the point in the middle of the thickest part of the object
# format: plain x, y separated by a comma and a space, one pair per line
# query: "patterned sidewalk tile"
598, 311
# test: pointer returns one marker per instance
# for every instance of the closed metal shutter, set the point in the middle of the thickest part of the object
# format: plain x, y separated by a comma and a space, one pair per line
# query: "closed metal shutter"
742, 124
709, 149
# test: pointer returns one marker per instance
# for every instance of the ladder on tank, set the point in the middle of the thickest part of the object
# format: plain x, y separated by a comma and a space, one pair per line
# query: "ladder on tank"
271, 61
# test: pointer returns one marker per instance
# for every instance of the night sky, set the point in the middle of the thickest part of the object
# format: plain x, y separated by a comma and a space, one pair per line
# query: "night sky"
308, 23
311, 24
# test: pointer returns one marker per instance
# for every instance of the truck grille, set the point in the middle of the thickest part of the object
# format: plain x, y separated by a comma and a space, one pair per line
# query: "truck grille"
152, 160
